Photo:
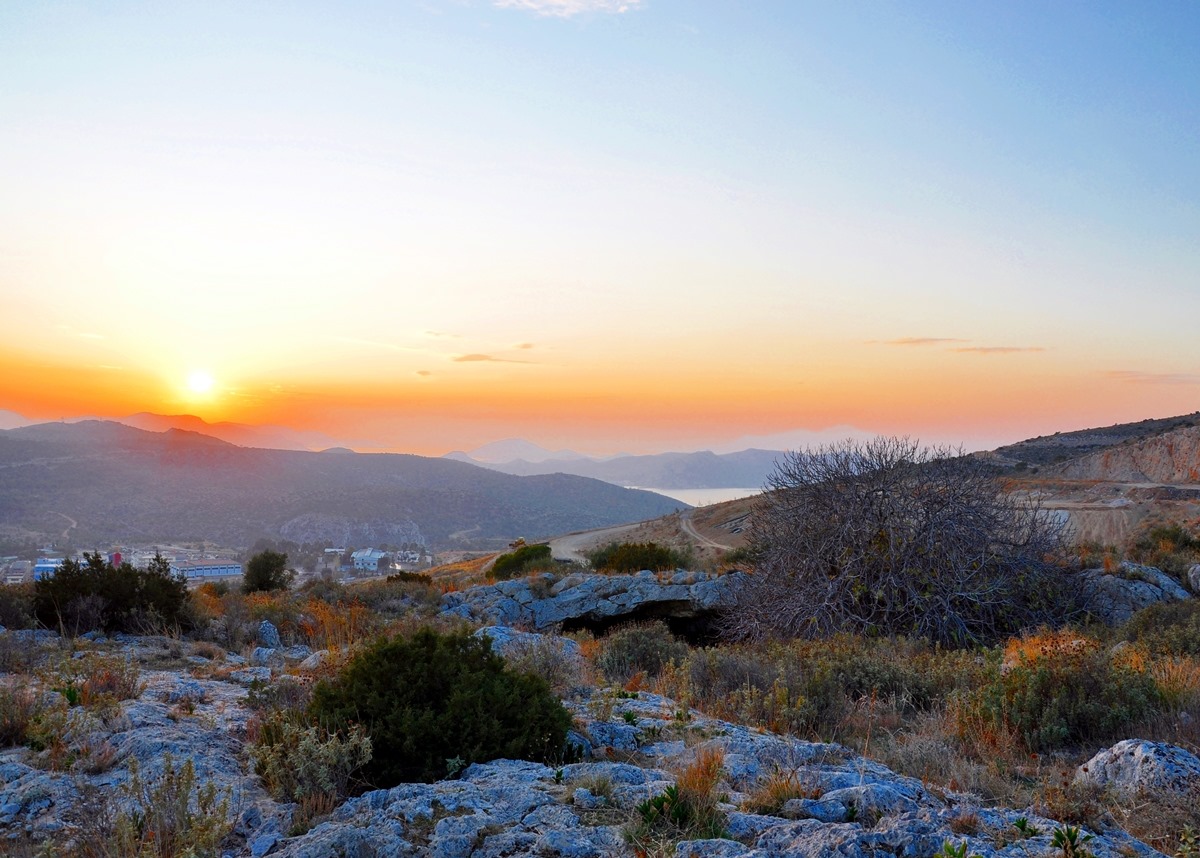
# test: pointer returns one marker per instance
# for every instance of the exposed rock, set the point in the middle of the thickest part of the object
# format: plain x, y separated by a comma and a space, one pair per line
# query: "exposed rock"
1193, 577
505, 808
1136, 768
268, 635
593, 598
508, 641
1114, 597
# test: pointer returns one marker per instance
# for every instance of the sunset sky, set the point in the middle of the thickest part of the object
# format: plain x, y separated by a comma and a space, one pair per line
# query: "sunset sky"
608, 225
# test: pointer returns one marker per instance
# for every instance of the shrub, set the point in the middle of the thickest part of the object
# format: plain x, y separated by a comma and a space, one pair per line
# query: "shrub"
523, 560
96, 679
1171, 547
626, 557
685, 811
645, 647
1061, 690
18, 708
172, 816
16, 606
1166, 628
300, 763
884, 537
266, 571
93, 595
439, 697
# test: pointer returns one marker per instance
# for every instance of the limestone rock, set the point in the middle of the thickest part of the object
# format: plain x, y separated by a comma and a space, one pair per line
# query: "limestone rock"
1114, 597
1136, 768
268, 635
592, 597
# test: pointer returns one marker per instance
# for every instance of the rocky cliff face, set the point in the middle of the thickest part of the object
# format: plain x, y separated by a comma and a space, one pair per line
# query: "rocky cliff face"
1172, 458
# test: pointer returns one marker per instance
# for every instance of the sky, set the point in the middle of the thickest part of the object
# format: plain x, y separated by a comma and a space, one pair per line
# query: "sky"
604, 225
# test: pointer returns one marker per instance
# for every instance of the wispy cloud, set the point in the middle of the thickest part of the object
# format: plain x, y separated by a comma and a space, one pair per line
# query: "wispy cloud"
918, 341
478, 358
999, 350
568, 8
1134, 376
523, 346
424, 373
440, 334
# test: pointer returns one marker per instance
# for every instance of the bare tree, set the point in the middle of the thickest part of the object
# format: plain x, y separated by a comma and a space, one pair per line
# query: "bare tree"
887, 537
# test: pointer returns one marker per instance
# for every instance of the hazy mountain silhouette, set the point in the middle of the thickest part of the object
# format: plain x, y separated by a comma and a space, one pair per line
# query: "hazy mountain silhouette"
704, 470
126, 484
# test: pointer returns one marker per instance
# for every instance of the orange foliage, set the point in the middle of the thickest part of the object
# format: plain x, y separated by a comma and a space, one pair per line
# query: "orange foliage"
698, 781
1051, 646
333, 626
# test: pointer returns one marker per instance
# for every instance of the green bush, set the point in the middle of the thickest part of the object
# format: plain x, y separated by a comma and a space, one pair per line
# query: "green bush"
527, 558
82, 597
16, 606
266, 571
1069, 695
436, 698
1168, 628
1172, 547
645, 647
635, 556
297, 761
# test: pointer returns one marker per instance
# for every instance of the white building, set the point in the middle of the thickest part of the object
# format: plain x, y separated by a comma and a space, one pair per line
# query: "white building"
367, 559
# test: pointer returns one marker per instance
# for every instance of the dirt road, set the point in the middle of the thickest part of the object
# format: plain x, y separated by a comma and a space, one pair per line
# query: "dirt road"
572, 546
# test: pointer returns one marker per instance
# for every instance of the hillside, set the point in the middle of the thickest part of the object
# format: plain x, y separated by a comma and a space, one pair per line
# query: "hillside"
1069, 446
1172, 458
114, 482
704, 470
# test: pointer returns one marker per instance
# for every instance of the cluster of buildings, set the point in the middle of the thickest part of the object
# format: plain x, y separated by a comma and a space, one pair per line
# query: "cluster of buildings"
190, 564
197, 565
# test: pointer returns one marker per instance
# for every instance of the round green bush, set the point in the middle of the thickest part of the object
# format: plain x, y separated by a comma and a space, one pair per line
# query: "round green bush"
434, 698
527, 558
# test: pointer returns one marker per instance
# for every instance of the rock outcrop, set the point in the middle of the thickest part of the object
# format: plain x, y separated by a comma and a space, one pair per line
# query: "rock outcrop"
631, 745
545, 602
1114, 597
1136, 769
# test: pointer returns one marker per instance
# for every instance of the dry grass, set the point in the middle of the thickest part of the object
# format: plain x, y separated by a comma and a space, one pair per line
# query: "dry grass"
777, 789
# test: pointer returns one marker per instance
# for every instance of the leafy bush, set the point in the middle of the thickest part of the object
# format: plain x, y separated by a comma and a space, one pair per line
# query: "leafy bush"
93, 595
1167, 627
1171, 547
266, 571
527, 558
16, 606
644, 648
439, 697
623, 557
300, 763
1060, 690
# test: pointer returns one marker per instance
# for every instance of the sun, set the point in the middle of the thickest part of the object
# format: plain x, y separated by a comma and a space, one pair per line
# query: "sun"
200, 382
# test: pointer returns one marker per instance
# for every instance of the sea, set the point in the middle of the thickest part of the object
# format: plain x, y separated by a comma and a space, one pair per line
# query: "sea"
702, 497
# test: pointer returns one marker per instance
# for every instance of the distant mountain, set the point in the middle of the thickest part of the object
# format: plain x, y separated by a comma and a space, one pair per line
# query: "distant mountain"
12, 420
705, 470
241, 434
511, 449
118, 483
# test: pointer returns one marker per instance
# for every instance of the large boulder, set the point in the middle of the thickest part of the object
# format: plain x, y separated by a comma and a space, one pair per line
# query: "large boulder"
593, 598
1114, 597
1136, 769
